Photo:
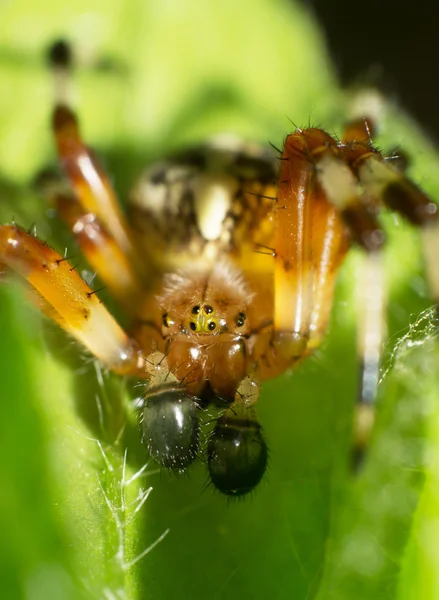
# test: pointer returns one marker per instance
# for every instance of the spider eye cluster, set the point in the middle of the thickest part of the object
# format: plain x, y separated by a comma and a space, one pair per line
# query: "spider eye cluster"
236, 450
203, 319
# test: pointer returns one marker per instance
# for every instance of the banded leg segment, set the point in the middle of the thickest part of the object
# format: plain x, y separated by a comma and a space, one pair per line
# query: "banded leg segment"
93, 212
90, 183
359, 214
383, 184
389, 186
358, 211
67, 299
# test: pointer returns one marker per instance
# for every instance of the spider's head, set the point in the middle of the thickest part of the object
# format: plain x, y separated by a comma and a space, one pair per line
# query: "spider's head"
207, 303
237, 454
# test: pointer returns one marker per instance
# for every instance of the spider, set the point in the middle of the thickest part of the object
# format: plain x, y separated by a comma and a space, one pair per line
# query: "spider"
226, 268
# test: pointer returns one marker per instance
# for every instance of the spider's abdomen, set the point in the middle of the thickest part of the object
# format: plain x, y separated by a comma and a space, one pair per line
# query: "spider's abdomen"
205, 202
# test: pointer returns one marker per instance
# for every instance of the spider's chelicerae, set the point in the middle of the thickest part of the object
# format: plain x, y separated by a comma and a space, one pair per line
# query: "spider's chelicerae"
226, 267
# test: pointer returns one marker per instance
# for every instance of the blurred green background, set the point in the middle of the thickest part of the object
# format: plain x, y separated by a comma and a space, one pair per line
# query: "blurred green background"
75, 521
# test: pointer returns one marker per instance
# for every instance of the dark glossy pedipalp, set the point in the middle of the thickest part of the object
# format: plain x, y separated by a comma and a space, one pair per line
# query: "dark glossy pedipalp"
170, 427
237, 454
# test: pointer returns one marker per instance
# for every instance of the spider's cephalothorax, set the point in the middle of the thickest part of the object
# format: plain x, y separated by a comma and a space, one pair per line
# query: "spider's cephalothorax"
226, 267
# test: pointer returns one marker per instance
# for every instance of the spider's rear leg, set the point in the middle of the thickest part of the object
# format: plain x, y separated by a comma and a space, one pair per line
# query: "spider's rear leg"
383, 184
392, 188
358, 212
90, 184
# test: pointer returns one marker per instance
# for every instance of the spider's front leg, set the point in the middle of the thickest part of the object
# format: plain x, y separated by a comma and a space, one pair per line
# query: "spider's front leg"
60, 292
354, 180
310, 243
319, 209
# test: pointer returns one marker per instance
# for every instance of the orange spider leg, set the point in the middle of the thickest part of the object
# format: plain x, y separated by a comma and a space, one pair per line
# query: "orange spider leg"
322, 200
101, 250
385, 184
330, 242
68, 300
293, 271
90, 183
310, 243
33, 296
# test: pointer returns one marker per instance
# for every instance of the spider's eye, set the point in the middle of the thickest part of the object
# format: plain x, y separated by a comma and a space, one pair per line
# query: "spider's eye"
170, 427
237, 453
240, 319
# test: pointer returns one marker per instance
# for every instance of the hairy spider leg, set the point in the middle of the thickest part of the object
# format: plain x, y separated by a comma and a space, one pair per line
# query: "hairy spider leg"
33, 296
170, 416
387, 183
91, 185
383, 184
371, 298
67, 299
310, 240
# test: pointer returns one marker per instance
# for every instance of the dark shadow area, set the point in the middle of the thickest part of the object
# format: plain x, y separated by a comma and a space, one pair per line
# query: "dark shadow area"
392, 44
